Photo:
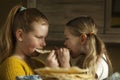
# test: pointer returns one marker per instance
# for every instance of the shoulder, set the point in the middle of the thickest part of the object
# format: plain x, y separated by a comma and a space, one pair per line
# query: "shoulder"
15, 64
10, 68
13, 67
11, 62
102, 68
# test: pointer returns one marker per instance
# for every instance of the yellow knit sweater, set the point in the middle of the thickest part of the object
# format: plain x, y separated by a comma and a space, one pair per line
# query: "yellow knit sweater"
13, 67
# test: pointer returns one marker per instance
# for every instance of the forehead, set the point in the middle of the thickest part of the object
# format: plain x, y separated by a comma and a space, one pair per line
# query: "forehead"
39, 24
40, 27
67, 32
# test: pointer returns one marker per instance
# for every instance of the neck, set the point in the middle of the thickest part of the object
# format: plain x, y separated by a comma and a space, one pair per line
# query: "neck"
80, 61
20, 56
19, 53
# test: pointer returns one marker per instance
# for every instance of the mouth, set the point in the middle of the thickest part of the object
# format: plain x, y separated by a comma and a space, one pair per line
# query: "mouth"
69, 49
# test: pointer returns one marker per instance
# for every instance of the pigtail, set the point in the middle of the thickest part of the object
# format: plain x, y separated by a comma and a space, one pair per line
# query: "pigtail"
7, 38
90, 59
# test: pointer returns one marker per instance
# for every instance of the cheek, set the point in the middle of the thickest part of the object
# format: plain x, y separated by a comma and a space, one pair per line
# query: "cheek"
75, 49
31, 44
73, 45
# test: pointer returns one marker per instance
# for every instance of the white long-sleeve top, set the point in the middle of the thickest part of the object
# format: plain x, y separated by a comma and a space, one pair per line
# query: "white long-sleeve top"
102, 68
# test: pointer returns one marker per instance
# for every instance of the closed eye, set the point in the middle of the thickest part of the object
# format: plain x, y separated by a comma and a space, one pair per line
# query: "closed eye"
39, 37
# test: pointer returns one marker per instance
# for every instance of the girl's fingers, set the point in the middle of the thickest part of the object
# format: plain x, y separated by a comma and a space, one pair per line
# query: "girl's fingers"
51, 54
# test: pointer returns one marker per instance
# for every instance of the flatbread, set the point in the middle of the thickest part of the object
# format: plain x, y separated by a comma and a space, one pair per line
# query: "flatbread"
71, 70
63, 76
73, 73
42, 51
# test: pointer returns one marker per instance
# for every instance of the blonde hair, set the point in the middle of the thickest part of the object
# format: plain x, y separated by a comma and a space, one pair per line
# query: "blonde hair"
19, 18
85, 25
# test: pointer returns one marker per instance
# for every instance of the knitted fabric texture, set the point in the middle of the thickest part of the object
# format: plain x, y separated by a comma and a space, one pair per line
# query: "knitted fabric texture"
13, 67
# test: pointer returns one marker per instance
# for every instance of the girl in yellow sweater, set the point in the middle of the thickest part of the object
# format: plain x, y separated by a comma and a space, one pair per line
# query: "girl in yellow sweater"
24, 31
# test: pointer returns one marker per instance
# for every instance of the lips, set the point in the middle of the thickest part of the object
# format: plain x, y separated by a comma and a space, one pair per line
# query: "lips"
69, 49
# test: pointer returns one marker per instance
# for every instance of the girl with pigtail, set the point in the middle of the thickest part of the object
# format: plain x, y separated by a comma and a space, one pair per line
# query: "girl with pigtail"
24, 31
83, 45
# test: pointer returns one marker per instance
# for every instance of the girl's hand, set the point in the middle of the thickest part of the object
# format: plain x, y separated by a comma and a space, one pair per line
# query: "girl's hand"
63, 56
51, 60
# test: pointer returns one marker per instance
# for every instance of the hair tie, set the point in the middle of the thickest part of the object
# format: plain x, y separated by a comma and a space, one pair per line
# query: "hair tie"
91, 33
22, 8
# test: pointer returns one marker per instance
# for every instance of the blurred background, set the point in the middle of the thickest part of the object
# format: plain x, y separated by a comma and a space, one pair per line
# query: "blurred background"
106, 14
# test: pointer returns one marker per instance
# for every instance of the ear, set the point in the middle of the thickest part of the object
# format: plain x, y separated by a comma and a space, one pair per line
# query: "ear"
83, 38
19, 34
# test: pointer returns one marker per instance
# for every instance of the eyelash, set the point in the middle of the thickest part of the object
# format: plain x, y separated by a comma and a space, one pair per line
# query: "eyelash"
39, 37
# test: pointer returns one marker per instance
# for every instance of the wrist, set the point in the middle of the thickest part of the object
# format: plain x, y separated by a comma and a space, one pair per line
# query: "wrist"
65, 65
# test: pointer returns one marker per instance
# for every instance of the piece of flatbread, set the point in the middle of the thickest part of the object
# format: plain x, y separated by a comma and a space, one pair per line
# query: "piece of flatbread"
73, 73
42, 51
61, 70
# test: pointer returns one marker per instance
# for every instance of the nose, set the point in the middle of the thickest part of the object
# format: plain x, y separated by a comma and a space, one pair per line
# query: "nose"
43, 42
65, 43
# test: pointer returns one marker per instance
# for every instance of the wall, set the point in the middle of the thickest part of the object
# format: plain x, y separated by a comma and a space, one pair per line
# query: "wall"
5, 6
114, 52
60, 12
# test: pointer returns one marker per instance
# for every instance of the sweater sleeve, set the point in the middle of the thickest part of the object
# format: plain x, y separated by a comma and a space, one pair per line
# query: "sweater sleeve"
10, 69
